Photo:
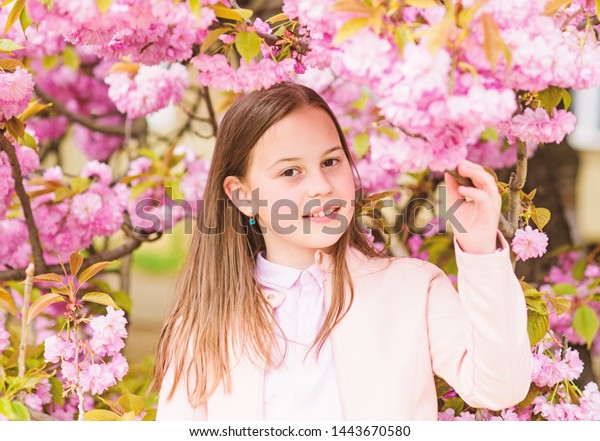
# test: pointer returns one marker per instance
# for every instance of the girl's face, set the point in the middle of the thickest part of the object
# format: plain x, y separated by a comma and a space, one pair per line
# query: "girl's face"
298, 167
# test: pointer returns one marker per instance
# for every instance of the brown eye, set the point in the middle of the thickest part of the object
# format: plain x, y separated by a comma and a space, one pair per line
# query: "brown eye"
329, 160
292, 170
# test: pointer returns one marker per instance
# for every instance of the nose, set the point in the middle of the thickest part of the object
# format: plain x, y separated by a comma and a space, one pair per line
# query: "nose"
319, 184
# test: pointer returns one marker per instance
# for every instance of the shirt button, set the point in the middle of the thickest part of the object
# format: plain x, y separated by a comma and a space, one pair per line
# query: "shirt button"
270, 296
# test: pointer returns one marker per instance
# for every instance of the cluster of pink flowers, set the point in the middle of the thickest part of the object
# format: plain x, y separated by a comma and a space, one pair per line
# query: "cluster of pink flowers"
81, 94
440, 104
528, 243
585, 285
73, 223
537, 127
148, 31
16, 88
554, 403
84, 365
152, 88
215, 71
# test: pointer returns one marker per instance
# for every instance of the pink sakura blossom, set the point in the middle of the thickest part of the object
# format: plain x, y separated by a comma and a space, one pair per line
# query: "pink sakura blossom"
152, 88
40, 397
48, 129
96, 378
528, 243
109, 332
15, 92
536, 126
56, 349
548, 371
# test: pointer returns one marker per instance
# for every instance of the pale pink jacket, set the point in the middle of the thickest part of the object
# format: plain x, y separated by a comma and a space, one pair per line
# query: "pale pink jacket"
407, 322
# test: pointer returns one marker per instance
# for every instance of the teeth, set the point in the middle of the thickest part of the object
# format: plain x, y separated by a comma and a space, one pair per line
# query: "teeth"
324, 213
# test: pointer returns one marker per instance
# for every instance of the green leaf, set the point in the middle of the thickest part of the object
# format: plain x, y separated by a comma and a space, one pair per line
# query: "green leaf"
489, 134
457, 404
196, 7
49, 62
238, 14
41, 304
567, 99
585, 323
7, 302
537, 326
150, 415
493, 44
25, 20
247, 44
56, 390
540, 217
29, 141
48, 277
553, 6
533, 392
212, 37
537, 305
104, 5
561, 304
101, 415
71, 58
579, 269
101, 298
10, 64
80, 185
20, 411
16, 127
564, 289
361, 144
131, 402
351, 27
90, 272
550, 97
278, 17
14, 14
7, 45
6, 408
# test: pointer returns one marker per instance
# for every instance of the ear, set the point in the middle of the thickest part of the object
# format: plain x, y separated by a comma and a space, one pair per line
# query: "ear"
236, 191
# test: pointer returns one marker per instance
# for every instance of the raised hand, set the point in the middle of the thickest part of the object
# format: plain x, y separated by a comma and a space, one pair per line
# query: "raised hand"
479, 211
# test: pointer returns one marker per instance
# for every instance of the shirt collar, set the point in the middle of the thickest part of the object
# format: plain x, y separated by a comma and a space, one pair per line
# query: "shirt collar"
283, 276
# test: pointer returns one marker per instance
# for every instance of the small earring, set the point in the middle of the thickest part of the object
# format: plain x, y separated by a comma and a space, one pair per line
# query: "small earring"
252, 221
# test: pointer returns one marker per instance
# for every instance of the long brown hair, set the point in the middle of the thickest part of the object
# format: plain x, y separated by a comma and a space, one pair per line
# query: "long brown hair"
218, 297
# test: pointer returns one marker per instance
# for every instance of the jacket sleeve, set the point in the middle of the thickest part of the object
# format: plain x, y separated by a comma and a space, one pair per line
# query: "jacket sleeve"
478, 337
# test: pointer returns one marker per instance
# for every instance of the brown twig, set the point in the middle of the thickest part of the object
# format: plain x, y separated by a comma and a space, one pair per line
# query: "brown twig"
113, 254
36, 246
86, 121
211, 110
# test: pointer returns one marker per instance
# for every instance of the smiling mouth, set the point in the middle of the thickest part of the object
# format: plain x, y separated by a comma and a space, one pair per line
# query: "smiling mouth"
330, 212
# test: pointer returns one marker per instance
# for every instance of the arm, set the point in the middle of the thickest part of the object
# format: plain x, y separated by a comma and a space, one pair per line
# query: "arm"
478, 337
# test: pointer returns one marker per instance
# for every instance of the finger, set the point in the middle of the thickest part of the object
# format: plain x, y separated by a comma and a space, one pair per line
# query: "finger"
477, 195
451, 188
481, 178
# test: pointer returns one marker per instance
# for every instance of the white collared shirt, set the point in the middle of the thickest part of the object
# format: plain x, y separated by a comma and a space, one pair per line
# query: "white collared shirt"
299, 389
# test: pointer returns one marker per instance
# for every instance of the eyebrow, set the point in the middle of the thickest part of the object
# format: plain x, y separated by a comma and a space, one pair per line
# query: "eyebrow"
337, 147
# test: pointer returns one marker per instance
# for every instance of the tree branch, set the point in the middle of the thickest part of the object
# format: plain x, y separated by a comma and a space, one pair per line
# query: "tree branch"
85, 121
36, 246
211, 110
506, 230
515, 185
113, 254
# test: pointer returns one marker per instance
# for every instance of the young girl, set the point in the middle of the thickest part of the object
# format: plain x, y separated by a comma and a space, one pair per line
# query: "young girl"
285, 310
